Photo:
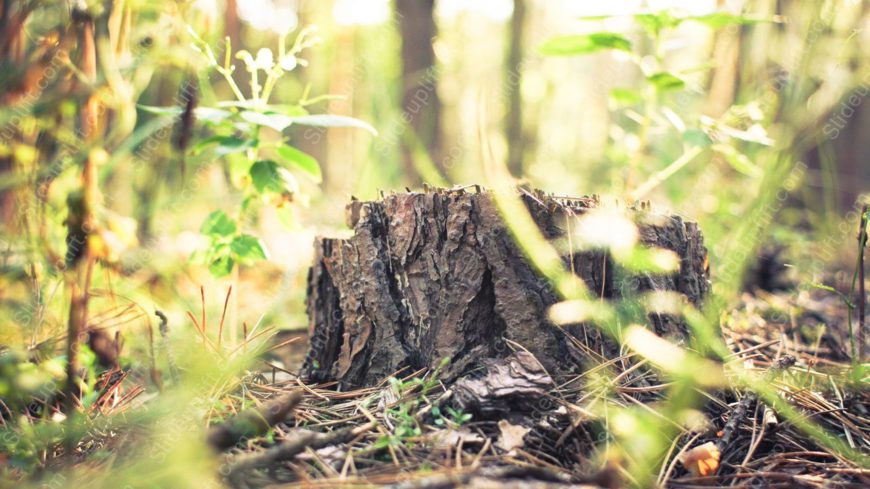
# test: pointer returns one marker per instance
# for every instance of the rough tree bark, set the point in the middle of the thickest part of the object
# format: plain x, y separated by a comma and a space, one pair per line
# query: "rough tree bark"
436, 274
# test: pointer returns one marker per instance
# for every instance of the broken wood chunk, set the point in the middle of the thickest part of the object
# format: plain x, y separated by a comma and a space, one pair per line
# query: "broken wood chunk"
515, 383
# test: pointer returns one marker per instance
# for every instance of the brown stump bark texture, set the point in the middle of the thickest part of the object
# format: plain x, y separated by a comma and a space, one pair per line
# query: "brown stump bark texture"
429, 275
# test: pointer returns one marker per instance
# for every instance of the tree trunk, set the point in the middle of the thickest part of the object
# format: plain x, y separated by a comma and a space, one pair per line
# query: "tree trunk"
513, 82
13, 87
421, 107
437, 274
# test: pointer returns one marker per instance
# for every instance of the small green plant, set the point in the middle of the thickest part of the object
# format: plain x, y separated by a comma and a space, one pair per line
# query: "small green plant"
648, 105
29, 391
858, 279
406, 424
259, 167
855, 341
412, 396
457, 416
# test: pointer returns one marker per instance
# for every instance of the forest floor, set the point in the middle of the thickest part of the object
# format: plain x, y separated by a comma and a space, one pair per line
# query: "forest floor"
408, 432
402, 433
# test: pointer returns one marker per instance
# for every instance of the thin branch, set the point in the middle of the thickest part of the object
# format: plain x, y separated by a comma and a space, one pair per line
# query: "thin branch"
253, 422
748, 400
862, 295
290, 448
224, 315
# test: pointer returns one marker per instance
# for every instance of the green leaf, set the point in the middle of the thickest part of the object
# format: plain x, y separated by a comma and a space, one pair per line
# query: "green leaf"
218, 223
286, 109
278, 122
301, 160
327, 120
243, 127
199, 257
287, 217
207, 114
221, 266
226, 145
828, 288
239, 169
665, 82
655, 23
241, 104
211, 114
739, 161
598, 17
248, 249
697, 137
578, 44
625, 96
151, 109
291, 110
652, 22
201, 145
717, 20
756, 134
268, 177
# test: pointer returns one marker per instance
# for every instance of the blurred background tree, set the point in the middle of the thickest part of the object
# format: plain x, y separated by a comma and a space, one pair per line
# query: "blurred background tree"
758, 98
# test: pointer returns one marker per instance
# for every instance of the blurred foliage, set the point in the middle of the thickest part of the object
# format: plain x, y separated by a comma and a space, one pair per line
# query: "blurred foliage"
194, 159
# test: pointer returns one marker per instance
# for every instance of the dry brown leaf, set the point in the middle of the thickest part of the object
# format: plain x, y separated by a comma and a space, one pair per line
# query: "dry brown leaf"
448, 438
512, 435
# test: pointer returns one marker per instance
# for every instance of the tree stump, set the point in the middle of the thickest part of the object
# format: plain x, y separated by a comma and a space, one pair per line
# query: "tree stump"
429, 275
